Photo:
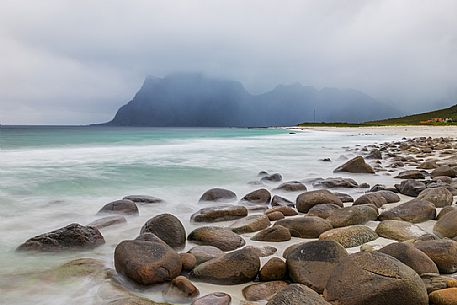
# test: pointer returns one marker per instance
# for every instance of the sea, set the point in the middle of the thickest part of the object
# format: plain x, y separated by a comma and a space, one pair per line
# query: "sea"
51, 176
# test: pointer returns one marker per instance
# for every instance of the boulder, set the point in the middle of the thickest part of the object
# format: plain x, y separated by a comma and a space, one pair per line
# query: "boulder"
336, 182
263, 251
350, 236
108, 221
260, 196
375, 154
216, 298
374, 278
147, 262
188, 260
430, 164
291, 186
281, 201
444, 297
306, 226
323, 210
414, 211
273, 270
313, 262
411, 257
205, 253
444, 170
399, 230
297, 294
434, 281
411, 174
410, 187
446, 226
180, 290
238, 267
71, 237
445, 211
375, 199
275, 233
143, 199
355, 165
220, 213
439, 196
222, 238
168, 228
390, 196
275, 216
219, 195
122, 207
307, 200
442, 252
286, 211
272, 178
249, 224
344, 197
263, 291
354, 215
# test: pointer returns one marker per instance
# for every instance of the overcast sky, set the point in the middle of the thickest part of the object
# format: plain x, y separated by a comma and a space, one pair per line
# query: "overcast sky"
76, 62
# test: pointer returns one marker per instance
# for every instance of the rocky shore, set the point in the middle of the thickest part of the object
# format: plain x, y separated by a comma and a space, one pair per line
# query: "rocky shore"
393, 244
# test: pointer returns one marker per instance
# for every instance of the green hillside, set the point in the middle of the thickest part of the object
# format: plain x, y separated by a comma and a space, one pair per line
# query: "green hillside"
421, 118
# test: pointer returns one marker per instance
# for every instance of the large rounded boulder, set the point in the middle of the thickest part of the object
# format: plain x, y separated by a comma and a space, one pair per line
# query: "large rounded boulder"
410, 187
442, 252
260, 196
375, 199
353, 215
446, 226
220, 213
218, 194
222, 238
355, 165
374, 278
123, 207
307, 200
147, 262
414, 211
399, 230
297, 294
306, 226
168, 228
350, 236
439, 196
313, 262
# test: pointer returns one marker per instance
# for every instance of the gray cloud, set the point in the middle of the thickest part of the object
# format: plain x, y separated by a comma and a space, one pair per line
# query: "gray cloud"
78, 61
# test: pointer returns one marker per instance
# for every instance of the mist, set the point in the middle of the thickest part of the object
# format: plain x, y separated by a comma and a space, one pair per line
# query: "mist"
77, 62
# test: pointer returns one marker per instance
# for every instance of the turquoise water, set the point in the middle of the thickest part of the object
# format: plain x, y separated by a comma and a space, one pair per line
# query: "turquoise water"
53, 176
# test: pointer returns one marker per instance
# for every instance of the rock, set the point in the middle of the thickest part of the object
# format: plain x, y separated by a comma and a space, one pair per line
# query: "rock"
216, 298
414, 211
350, 236
439, 196
292, 186
286, 211
275, 216
219, 195
344, 197
323, 210
444, 297
168, 228
411, 174
410, 187
220, 213
442, 252
375, 154
355, 165
249, 224
222, 238
147, 262
238, 267
377, 187
188, 260
307, 200
399, 230
411, 257
444, 179
275, 233
337, 182
306, 226
71, 237
272, 178
444, 170
180, 290
144, 199
446, 226
374, 278
263, 251
428, 165
313, 262
390, 196
263, 291
354, 215
365, 185
281, 201
273, 270
123, 207
296, 294
375, 199
205, 253
108, 221
435, 281
445, 211
260, 196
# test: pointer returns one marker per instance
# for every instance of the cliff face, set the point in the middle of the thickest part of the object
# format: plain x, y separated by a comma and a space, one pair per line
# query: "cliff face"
192, 100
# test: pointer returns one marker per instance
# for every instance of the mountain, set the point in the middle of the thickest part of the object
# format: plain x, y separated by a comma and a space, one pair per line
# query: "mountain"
421, 118
193, 100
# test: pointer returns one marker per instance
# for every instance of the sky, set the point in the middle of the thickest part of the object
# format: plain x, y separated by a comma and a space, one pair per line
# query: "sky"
76, 62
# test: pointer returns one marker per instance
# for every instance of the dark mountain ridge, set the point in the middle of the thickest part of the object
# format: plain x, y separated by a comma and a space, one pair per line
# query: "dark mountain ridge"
193, 100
